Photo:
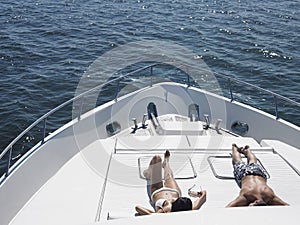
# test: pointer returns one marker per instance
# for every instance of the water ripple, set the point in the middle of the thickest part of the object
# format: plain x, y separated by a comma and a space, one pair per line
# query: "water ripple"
47, 45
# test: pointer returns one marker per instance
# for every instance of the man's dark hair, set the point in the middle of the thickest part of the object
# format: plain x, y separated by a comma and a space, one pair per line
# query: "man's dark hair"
182, 204
260, 203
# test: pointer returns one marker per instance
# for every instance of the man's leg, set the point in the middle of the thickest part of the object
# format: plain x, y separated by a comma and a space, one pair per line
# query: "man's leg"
168, 173
153, 173
239, 166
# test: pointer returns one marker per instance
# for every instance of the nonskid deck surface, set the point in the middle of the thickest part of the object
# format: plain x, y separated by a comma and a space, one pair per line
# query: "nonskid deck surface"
120, 199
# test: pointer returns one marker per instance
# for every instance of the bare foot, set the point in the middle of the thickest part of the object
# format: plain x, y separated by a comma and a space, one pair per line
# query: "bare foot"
235, 148
167, 154
167, 158
239, 149
244, 150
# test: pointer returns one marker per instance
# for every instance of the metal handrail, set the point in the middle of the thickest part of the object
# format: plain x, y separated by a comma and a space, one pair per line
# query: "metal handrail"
45, 116
258, 88
118, 79
275, 95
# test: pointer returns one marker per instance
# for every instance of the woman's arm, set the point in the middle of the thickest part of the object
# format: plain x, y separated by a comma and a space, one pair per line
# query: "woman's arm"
201, 198
143, 211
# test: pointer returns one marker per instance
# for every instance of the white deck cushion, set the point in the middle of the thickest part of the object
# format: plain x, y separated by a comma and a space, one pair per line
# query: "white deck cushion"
289, 153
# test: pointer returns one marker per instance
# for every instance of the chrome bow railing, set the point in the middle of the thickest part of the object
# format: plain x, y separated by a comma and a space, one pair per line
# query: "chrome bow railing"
231, 84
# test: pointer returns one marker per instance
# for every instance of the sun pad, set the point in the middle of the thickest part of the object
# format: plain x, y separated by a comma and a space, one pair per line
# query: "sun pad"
222, 166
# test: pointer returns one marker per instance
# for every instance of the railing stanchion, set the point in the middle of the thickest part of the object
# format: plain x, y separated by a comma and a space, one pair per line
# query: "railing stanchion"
8, 162
151, 74
276, 107
44, 131
230, 89
118, 89
81, 107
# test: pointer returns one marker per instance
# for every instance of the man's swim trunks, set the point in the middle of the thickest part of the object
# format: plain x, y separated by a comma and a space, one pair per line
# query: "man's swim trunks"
242, 169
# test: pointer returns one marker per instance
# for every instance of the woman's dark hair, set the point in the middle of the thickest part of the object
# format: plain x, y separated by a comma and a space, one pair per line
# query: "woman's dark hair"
182, 204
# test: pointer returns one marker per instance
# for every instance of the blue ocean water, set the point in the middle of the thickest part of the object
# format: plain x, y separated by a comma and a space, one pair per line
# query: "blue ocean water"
46, 46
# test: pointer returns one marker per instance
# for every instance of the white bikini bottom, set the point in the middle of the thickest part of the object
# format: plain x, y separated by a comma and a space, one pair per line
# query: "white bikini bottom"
164, 189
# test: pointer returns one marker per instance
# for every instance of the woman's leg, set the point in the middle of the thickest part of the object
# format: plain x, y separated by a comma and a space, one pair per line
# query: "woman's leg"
168, 174
153, 173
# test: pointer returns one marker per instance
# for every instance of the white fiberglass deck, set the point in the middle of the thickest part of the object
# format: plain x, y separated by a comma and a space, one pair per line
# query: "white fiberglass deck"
79, 194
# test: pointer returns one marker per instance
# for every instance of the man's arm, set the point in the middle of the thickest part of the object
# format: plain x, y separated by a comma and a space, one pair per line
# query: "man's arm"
143, 211
200, 201
277, 201
239, 201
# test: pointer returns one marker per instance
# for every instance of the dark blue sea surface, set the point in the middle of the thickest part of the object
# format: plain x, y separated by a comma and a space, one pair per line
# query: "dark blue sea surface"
46, 46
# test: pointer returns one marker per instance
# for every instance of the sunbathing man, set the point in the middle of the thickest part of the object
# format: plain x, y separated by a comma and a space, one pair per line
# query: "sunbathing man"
167, 197
252, 179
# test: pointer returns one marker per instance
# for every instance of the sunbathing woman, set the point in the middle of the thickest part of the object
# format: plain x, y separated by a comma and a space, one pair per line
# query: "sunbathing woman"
166, 197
